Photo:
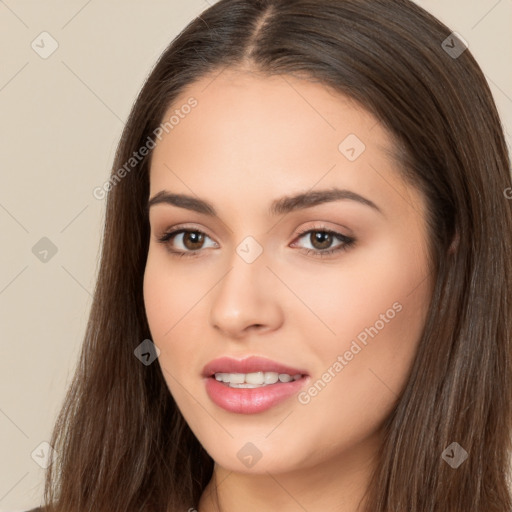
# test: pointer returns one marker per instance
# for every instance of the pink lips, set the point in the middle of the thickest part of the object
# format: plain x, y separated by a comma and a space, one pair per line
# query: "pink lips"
250, 400
247, 365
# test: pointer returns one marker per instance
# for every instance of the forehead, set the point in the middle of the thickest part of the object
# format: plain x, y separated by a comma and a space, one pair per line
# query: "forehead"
242, 103
249, 132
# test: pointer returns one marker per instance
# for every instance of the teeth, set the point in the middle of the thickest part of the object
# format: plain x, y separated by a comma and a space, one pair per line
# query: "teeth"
271, 377
235, 378
254, 380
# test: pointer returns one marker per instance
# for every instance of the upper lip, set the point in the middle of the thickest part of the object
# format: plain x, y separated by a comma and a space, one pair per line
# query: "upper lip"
250, 364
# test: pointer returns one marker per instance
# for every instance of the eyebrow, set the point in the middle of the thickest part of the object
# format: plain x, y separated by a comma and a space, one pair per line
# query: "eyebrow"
279, 206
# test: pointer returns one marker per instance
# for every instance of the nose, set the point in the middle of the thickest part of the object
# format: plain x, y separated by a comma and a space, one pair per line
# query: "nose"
243, 301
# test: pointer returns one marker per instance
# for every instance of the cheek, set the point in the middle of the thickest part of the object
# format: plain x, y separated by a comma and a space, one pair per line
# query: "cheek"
170, 293
174, 301
160, 305
375, 308
364, 291
167, 299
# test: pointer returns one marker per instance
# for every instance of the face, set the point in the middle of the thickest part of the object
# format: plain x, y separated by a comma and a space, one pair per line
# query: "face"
299, 255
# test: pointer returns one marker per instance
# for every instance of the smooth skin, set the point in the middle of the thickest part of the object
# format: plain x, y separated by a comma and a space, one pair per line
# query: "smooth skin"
250, 140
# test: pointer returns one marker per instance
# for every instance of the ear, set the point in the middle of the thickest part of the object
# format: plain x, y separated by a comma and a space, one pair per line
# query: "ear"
454, 244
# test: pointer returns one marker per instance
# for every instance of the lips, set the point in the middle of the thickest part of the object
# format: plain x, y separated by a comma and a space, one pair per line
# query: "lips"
250, 400
249, 365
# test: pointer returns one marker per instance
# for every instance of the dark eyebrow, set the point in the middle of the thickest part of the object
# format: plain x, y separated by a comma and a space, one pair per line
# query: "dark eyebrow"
182, 201
278, 207
312, 198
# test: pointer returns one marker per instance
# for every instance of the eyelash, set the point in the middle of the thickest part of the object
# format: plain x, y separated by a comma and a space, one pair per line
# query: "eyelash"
348, 242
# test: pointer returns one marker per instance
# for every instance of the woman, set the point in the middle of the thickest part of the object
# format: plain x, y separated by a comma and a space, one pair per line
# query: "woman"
304, 299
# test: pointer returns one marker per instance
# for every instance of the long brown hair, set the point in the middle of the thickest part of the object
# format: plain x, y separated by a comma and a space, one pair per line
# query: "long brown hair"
123, 444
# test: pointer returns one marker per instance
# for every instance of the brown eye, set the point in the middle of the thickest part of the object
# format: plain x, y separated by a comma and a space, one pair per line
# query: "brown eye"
193, 240
322, 242
186, 242
321, 239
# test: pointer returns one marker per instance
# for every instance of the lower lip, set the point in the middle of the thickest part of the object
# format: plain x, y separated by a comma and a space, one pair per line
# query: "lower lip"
251, 400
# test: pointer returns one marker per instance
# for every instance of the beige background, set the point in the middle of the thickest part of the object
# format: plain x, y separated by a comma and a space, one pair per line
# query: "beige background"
61, 120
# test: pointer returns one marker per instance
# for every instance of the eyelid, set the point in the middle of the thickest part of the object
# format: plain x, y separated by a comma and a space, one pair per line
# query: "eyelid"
171, 233
324, 226
346, 242
185, 227
318, 226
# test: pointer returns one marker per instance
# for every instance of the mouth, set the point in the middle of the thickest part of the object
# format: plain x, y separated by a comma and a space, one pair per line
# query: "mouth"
251, 385
255, 379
